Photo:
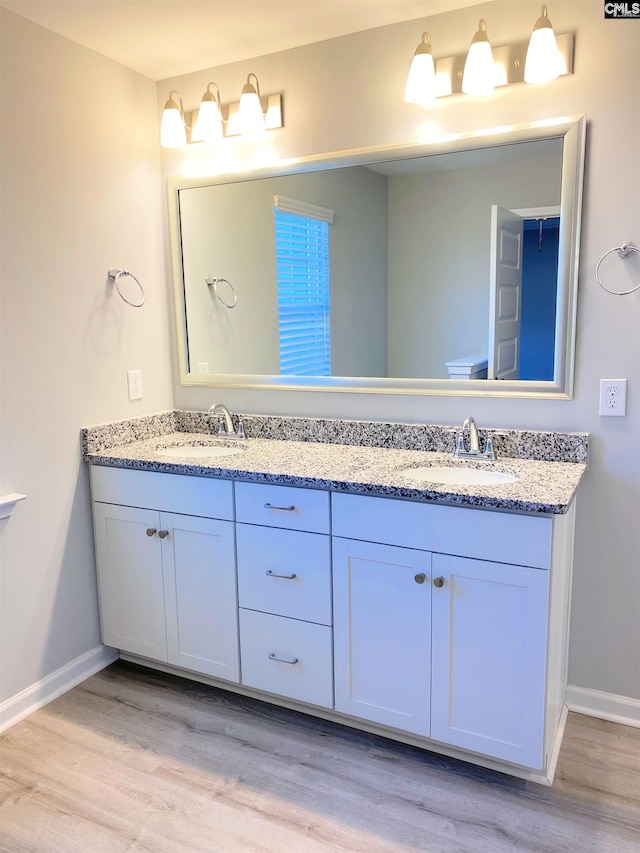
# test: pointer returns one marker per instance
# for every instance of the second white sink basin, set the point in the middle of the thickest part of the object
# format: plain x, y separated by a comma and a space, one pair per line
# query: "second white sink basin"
447, 475
199, 451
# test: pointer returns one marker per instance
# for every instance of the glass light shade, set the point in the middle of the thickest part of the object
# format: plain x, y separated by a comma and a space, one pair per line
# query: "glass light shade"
421, 80
173, 133
479, 76
250, 115
543, 63
208, 126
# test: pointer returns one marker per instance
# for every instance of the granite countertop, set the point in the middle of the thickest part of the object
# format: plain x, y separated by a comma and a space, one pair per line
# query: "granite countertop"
544, 486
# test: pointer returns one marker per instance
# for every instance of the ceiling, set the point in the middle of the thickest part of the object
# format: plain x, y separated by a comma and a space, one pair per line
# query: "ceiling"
167, 38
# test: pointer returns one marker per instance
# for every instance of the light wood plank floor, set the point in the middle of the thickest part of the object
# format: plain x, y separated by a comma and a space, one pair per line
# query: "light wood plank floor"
133, 760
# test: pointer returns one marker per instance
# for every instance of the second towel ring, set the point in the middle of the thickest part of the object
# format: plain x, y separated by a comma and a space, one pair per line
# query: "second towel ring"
624, 250
115, 274
215, 281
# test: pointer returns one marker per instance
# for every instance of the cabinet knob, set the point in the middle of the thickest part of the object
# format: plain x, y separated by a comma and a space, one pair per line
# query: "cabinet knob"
420, 578
163, 533
151, 531
438, 582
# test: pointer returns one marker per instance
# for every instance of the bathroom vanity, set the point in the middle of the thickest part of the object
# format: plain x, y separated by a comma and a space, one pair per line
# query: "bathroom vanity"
319, 576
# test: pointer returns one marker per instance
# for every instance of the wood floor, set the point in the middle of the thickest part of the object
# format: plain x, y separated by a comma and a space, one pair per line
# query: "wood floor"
133, 760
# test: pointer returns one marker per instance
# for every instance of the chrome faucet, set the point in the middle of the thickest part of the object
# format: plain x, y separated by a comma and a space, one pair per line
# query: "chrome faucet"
225, 428
473, 450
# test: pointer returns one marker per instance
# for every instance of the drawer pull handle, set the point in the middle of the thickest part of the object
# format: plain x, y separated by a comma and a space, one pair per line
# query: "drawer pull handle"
163, 533
420, 578
272, 574
283, 508
438, 582
151, 531
274, 656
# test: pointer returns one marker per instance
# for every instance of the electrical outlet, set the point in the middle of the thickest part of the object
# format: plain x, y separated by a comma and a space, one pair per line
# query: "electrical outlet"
203, 367
613, 397
134, 382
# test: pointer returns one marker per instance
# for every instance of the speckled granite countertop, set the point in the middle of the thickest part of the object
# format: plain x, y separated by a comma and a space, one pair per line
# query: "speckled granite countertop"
545, 485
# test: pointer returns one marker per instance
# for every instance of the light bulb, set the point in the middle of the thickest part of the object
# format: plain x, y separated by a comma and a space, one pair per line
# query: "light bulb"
172, 128
479, 76
543, 62
208, 126
421, 80
250, 115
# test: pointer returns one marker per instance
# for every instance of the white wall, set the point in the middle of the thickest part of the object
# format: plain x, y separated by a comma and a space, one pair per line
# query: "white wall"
81, 192
333, 102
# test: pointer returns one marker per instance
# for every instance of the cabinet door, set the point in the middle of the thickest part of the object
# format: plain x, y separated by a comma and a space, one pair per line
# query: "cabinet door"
131, 591
489, 654
198, 556
382, 633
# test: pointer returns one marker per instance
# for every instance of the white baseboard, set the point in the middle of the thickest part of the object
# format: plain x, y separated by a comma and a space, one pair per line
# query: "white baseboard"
606, 706
49, 688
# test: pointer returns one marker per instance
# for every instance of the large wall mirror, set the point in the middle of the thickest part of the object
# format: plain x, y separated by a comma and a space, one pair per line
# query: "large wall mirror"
445, 268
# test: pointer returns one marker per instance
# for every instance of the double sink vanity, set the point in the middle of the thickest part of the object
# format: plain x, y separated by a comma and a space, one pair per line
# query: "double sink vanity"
350, 570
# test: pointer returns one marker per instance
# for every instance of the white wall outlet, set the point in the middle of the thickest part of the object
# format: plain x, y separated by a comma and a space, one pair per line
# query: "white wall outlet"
134, 381
203, 367
613, 397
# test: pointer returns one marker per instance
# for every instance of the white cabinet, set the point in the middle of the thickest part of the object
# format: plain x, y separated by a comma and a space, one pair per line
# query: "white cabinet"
460, 658
489, 635
382, 633
284, 579
198, 559
130, 582
166, 581
439, 625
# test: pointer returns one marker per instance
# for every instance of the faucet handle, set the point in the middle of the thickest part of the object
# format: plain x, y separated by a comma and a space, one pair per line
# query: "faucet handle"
240, 433
460, 445
489, 451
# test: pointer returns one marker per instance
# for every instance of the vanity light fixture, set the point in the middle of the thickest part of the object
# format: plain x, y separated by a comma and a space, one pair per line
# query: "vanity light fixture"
213, 121
250, 114
479, 77
208, 126
421, 80
540, 60
543, 63
173, 129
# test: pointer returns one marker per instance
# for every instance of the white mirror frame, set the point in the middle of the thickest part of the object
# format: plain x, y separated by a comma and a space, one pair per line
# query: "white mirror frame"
571, 128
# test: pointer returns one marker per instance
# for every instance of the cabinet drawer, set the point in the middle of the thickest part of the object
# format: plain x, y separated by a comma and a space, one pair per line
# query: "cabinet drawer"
283, 506
523, 540
177, 493
287, 657
284, 572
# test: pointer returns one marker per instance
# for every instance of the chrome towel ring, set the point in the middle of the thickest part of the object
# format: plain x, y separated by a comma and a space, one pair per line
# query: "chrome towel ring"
215, 281
115, 275
624, 251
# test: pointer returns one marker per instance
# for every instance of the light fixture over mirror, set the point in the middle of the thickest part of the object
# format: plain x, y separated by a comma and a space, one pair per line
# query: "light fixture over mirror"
249, 117
390, 264
540, 60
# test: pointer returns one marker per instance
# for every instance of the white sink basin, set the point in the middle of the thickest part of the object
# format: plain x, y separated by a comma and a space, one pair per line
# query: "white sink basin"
201, 451
446, 475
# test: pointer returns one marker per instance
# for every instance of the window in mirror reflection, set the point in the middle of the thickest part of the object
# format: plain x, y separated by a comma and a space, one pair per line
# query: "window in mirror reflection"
302, 271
